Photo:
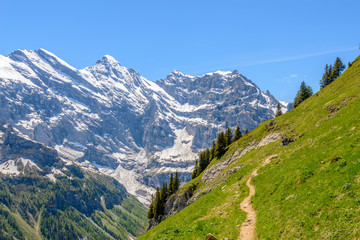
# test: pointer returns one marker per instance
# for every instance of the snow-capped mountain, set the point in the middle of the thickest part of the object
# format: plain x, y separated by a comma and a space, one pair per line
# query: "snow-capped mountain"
110, 117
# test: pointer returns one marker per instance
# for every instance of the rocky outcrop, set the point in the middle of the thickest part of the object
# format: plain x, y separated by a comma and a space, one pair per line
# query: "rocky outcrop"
209, 236
26, 153
218, 171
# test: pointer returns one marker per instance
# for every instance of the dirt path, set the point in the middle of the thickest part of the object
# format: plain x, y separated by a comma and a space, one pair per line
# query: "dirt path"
247, 230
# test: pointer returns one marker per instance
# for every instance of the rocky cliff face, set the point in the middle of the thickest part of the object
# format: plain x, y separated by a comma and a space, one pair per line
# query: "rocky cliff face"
111, 117
18, 154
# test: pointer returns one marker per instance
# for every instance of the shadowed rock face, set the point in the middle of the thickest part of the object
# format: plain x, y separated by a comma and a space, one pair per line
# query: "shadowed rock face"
110, 116
25, 153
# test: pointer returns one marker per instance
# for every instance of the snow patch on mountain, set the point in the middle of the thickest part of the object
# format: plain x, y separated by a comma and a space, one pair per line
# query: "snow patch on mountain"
9, 167
180, 150
12, 166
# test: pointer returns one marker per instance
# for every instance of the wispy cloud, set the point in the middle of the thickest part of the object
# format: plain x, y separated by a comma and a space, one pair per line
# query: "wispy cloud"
285, 59
289, 79
241, 64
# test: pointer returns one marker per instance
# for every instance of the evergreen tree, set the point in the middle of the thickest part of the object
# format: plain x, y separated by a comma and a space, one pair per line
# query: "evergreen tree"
201, 164
171, 184
207, 156
326, 77
338, 68
332, 72
228, 136
278, 110
164, 192
304, 93
220, 145
157, 204
150, 214
238, 133
163, 197
331, 75
212, 151
194, 173
176, 182
204, 160
246, 131
158, 201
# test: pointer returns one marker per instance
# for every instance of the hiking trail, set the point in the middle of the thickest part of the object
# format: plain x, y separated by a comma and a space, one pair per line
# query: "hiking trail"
247, 230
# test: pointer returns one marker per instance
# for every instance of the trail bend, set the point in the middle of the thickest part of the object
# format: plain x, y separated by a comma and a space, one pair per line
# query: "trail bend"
247, 230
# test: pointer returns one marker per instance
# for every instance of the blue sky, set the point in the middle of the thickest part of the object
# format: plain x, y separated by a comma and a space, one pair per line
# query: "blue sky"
277, 44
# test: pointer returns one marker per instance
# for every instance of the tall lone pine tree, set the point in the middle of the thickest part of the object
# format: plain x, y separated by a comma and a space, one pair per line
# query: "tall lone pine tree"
278, 110
304, 92
238, 134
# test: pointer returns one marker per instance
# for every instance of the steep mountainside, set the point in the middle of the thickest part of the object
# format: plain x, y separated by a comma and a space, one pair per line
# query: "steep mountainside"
111, 117
42, 197
222, 97
307, 183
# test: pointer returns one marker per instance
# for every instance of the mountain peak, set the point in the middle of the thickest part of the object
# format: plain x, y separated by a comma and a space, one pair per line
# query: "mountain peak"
219, 72
177, 73
44, 51
107, 60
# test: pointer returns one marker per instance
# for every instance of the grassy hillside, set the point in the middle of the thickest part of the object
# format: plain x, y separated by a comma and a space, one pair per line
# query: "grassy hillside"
310, 191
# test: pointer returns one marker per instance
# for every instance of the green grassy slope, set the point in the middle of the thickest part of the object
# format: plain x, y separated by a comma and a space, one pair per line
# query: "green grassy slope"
310, 191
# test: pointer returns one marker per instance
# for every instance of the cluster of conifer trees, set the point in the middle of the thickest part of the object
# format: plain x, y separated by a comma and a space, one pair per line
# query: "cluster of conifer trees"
157, 205
332, 72
224, 139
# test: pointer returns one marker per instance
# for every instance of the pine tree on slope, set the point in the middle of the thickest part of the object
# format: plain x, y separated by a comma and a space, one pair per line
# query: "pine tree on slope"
196, 167
228, 136
151, 208
246, 131
171, 184
157, 204
176, 182
220, 145
304, 93
212, 150
238, 134
332, 72
338, 68
278, 110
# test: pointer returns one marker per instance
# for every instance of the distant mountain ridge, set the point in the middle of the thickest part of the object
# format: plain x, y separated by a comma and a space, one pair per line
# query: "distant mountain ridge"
111, 117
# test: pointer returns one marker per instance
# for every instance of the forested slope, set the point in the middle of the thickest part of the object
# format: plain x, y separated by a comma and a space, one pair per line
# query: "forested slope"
43, 197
